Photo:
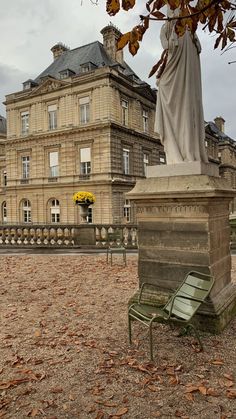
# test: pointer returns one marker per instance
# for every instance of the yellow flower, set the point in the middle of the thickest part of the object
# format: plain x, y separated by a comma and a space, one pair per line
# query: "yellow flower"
83, 198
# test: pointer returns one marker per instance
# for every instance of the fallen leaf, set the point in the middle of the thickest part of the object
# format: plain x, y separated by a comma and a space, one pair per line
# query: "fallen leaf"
203, 390
231, 394
37, 333
122, 411
34, 412
217, 362
189, 397
229, 377
56, 390
100, 415
212, 392
191, 389
174, 380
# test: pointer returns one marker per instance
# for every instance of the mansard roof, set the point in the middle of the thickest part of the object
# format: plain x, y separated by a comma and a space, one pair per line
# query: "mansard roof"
75, 58
212, 129
3, 125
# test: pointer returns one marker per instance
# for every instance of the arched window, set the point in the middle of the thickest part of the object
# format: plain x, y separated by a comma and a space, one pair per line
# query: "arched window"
26, 211
4, 212
55, 211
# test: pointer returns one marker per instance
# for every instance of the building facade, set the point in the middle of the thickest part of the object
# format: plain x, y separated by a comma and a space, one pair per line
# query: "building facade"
86, 123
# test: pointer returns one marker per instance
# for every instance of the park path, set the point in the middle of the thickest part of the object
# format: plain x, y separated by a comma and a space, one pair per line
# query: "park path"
64, 351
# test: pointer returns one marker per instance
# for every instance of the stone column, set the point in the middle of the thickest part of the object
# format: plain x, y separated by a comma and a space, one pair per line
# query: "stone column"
183, 225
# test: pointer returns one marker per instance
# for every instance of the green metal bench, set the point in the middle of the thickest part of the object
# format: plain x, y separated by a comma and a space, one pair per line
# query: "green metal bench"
179, 309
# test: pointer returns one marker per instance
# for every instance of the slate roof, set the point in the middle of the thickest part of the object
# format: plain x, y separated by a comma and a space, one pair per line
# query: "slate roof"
73, 59
3, 125
212, 129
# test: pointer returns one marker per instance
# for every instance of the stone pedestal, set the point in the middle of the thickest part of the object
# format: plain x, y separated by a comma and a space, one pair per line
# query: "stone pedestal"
85, 235
183, 225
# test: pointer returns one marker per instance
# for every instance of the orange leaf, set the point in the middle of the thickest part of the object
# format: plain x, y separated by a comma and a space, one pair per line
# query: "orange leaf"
123, 40
113, 7
203, 390
133, 47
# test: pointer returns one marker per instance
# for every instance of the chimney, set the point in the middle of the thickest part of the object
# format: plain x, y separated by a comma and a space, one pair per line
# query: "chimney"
58, 50
110, 36
220, 123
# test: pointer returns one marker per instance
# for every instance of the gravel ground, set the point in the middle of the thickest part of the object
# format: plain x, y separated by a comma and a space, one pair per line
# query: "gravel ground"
64, 351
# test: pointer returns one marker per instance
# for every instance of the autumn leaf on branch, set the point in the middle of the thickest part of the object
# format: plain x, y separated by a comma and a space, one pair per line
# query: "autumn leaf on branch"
216, 16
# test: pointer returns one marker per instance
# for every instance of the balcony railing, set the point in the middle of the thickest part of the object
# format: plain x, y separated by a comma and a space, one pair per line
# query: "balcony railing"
66, 236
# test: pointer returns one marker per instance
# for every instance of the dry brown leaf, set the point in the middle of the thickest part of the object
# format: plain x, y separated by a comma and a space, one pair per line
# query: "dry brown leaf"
100, 414
217, 362
122, 411
56, 390
203, 390
191, 389
189, 397
37, 333
212, 392
12, 383
229, 377
231, 394
174, 380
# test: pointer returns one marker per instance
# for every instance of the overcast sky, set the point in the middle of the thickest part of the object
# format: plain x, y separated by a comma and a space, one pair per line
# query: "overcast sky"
29, 28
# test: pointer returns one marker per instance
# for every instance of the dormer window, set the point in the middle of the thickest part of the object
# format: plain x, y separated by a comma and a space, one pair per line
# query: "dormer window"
85, 67
28, 84
64, 74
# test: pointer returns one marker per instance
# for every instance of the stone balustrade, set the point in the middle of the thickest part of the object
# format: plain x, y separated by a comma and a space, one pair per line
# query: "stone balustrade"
66, 236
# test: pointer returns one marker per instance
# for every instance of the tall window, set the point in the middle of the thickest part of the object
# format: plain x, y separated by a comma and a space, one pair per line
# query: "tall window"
90, 215
25, 167
162, 158
55, 211
52, 117
126, 161
4, 178
85, 161
24, 123
127, 211
124, 112
145, 120
145, 163
53, 164
4, 212
84, 110
26, 211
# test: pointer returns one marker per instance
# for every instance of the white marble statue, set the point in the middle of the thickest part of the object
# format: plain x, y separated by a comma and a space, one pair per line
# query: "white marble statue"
179, 113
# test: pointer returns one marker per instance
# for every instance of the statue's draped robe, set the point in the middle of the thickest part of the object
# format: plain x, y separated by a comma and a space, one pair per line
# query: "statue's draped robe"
179, 113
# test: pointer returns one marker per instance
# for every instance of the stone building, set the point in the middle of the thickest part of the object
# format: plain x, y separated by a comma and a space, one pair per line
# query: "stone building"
85, 123
3, 135
222, 151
